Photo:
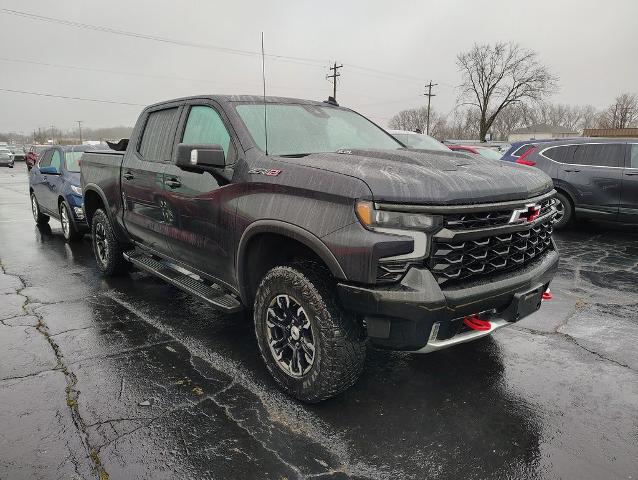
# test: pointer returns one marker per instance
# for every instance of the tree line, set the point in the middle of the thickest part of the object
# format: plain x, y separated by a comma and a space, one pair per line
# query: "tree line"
505, 87
66, 137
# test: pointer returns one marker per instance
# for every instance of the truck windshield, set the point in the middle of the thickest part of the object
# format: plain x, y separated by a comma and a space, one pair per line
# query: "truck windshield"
295, 129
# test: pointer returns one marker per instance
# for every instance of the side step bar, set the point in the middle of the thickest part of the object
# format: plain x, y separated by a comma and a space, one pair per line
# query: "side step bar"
215, 297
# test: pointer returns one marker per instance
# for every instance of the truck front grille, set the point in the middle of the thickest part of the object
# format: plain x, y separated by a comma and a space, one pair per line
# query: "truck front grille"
462, 260
495, 218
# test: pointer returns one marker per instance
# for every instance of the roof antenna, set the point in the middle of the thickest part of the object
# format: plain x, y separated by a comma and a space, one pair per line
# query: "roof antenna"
263, 77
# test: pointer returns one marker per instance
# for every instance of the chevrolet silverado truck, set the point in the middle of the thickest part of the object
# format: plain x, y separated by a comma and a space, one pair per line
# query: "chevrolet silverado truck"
332, 233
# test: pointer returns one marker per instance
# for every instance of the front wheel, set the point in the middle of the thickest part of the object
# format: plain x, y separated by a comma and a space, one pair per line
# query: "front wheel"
71, 234
107, 249
564, 211
312, 348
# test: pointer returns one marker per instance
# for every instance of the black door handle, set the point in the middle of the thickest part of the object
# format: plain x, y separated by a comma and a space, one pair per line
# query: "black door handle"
631, 174
128, 176
173, 183
571, 170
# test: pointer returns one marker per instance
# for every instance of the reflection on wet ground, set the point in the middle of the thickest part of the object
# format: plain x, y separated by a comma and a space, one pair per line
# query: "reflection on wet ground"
130, 378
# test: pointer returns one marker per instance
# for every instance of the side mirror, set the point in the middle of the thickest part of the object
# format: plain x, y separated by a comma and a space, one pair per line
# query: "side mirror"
49, 171
195, 156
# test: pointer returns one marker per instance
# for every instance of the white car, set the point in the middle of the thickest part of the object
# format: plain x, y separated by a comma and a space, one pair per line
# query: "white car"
417, 140
6, 157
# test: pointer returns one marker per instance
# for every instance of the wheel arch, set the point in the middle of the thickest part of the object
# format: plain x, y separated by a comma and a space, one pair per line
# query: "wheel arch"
94, 198
267, 243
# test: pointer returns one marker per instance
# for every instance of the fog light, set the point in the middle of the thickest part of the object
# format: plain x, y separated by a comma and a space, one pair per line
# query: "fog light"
79, 213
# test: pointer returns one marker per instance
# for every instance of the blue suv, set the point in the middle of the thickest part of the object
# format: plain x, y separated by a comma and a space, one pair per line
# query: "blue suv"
54, 184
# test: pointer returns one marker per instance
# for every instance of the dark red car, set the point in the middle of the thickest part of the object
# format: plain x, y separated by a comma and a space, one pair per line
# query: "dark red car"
477, 150
33, 154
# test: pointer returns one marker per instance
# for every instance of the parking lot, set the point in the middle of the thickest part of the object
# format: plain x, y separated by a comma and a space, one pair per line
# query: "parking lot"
131, 378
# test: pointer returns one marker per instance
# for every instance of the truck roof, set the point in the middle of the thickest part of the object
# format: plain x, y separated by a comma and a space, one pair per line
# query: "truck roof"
244, 98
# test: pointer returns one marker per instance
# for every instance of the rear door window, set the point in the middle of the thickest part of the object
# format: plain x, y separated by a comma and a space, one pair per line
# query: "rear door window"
599, 154
157, 140
634, 156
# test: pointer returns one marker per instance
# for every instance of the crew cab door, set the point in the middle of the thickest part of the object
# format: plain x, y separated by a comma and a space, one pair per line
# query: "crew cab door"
201, 202
54, 180
629, 194
594, 173
39, 181
145, 219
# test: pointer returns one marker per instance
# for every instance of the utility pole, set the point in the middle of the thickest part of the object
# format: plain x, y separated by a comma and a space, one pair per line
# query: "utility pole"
80, 128
335, 73
429, 95
52, 140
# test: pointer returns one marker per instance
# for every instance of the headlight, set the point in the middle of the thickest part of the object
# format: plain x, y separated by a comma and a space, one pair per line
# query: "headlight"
372, 218
76, 190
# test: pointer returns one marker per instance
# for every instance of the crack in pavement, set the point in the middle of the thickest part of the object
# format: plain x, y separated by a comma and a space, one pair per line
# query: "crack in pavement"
71, 393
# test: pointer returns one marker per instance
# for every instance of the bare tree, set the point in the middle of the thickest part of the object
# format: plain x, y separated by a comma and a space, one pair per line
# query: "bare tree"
495, 77
412, 119
623, 113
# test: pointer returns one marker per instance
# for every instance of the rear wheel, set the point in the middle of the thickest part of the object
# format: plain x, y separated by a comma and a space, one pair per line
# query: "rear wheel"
38, 216
68, 227
564, 211
107, 249
312, 348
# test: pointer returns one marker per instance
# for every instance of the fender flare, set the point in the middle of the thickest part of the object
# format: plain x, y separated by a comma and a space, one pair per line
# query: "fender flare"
289, 230
120, 233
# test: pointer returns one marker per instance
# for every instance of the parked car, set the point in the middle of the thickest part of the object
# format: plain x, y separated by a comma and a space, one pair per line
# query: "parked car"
54, 184
6, 157
485, 152
417, 140
18, 153
594, 177
330, 231
33, 154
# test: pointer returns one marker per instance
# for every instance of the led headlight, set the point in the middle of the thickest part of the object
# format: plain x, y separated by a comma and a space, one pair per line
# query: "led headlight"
415, 225
76, 190
372, 218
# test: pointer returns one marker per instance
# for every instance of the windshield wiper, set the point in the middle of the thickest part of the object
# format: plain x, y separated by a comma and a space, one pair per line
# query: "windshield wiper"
295, 155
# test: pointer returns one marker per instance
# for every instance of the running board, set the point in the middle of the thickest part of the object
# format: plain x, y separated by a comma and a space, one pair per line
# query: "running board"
214, 296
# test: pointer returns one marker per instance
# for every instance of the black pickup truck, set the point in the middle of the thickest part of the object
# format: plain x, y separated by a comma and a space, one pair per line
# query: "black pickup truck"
333, 233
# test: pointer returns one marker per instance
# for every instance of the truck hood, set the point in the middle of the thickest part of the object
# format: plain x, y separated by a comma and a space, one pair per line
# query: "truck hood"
433, 177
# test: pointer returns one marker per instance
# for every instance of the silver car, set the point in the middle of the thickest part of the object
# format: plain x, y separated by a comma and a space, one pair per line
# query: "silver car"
6, 157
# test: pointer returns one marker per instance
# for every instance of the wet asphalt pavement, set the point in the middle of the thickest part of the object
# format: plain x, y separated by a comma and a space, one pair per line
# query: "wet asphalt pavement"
130, 378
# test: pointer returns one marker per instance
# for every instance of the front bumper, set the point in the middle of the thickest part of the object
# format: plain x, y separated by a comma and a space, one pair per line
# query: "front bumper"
401, 316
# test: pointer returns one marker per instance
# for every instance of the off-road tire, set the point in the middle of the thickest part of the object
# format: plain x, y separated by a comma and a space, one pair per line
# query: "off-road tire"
38, 216
112, 262
70, 233
567, 212
340, 346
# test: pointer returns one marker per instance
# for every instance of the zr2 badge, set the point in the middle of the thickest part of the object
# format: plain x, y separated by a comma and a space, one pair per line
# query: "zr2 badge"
269, 172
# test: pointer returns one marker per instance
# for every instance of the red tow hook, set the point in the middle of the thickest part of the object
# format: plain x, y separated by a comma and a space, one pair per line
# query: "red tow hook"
547, 295
476, 323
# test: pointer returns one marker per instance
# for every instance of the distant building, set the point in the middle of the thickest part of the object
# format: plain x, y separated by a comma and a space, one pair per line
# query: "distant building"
611, 132
541, 131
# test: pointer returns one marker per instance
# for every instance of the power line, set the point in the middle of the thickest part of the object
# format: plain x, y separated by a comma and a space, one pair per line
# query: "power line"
307, 61
334, 75
51, 95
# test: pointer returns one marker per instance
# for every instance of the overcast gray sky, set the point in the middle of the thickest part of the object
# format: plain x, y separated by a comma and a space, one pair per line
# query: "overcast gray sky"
591, 45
